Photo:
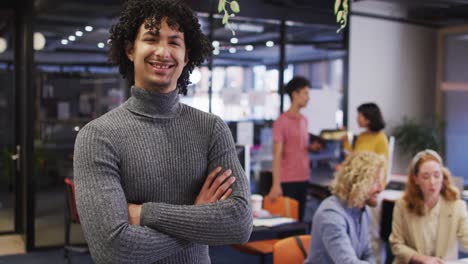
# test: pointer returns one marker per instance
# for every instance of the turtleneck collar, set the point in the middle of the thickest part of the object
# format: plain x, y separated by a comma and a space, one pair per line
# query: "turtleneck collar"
154, 104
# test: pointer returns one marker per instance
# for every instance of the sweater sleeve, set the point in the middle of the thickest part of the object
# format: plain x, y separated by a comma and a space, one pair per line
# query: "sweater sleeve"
102, 207
218, 223
401, 251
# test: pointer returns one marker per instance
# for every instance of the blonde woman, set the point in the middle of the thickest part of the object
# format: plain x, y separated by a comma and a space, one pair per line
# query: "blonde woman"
340, 228
430, 218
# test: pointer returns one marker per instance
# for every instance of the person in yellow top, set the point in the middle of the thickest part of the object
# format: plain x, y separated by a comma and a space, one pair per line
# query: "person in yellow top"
430, 221
373, 138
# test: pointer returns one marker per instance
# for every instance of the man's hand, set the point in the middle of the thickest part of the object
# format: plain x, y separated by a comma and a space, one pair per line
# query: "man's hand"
275, 192
216, 188
134, 212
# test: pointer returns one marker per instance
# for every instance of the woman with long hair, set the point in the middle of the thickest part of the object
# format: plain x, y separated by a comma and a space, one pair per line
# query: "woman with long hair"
430, 218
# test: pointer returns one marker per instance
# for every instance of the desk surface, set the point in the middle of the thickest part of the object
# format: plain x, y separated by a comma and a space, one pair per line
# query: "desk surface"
281, 231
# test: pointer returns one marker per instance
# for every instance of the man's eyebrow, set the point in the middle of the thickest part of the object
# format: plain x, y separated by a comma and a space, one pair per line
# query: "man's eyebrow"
176, 36
152, 33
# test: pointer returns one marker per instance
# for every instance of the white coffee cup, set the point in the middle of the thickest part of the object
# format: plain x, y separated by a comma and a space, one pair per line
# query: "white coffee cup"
256, 201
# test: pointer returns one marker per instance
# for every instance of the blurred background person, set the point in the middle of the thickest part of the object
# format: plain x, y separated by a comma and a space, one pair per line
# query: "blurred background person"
340, 229
430, 219
291, 166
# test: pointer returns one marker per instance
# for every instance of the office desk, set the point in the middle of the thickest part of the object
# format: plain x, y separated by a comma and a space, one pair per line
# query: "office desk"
281, 231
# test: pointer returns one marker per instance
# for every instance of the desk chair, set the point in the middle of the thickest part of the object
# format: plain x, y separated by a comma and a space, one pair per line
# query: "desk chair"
291, 250
71, 217
283, 206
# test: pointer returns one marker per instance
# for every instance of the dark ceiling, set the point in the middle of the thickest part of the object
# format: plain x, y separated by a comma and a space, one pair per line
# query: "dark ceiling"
311, 31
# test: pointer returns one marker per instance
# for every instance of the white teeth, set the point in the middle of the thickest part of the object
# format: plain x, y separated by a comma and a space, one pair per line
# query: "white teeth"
160, 66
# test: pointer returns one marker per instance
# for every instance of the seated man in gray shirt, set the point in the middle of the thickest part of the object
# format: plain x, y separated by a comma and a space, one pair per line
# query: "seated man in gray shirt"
340, 227
158, 181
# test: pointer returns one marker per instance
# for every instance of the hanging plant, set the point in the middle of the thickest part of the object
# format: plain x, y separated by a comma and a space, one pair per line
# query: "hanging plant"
222, 9
341, 13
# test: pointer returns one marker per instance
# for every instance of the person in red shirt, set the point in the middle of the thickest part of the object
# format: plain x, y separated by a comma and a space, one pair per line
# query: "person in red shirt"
291, 170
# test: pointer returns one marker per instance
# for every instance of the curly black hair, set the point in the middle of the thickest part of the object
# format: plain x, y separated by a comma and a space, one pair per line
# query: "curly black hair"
295, 84
151, 12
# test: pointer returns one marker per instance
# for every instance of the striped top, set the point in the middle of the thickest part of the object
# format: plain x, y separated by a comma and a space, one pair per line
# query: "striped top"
154, 150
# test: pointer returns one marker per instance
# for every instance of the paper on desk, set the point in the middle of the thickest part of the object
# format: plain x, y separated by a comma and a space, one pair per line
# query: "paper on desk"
460, 261
273, 221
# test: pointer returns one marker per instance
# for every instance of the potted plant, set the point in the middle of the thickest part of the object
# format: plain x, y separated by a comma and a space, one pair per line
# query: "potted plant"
413, 136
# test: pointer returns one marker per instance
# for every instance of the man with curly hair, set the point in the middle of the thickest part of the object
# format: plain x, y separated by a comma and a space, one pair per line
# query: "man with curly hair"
142, 189
340, 227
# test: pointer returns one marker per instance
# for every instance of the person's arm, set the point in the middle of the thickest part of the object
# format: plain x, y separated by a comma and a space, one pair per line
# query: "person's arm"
346, 145
102, 207
397, 238
336, 240
368, 254
223, 222
276, 190
382, 146
278, 139
462, 231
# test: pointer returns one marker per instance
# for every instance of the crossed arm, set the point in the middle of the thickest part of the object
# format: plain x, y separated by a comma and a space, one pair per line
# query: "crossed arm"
165, 228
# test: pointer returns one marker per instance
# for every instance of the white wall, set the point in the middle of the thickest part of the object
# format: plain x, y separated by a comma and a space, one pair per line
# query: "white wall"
392, 64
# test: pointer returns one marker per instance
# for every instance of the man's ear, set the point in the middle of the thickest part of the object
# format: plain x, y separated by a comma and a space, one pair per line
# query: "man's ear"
129, 51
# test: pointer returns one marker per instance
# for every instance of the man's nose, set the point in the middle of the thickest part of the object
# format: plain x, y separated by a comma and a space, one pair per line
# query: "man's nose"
161, 50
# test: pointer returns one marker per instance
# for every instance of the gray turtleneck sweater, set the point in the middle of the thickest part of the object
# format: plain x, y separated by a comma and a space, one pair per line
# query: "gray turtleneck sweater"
155, 151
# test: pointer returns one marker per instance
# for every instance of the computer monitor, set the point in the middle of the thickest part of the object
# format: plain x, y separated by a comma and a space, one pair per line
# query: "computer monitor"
243, 153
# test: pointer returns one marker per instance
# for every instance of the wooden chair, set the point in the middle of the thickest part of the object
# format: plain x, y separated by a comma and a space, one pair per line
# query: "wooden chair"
283, 206
71, 217
291, 250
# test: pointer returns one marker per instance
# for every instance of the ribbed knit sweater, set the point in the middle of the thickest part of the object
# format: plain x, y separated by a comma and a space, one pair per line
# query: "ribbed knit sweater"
154, 150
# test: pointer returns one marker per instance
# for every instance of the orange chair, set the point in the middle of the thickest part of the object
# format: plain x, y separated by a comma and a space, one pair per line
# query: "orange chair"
71, 217
283, 206
291, 250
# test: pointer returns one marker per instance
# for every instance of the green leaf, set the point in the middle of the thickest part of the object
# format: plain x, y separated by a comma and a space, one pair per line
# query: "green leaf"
235, 7
225, 18
339, 16
221, 4
345, 5
337, 5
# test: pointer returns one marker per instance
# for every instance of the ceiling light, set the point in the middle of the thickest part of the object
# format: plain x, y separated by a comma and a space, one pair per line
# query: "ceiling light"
249, 48
232, 50
88, 28
64, 41
269, 43
71, 38
234, 40
109, 41
101, 45
79, 33
215, 43
216, 51
3, 45
246, 27
39, 41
